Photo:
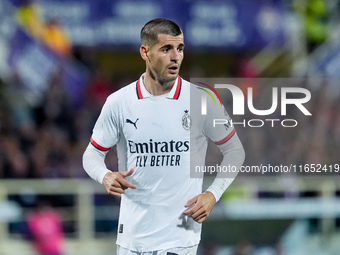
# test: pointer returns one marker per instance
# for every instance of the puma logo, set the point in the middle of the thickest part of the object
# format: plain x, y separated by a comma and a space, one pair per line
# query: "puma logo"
131, 122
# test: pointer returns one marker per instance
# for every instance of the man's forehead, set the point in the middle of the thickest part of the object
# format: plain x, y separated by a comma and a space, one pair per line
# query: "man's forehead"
169, 39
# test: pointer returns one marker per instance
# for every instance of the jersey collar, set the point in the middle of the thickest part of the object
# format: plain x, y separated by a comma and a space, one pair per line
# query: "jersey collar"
173, 94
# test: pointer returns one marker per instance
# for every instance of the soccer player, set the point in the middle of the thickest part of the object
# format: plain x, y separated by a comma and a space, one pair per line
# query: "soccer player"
159, 138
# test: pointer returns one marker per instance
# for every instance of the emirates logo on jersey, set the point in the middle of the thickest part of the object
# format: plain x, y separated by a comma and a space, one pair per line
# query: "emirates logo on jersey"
186, 120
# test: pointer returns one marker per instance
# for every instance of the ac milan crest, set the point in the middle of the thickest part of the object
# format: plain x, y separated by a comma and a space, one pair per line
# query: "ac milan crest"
186, 120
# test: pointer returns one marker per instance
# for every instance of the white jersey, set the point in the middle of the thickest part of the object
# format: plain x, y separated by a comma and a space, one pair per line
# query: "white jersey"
157, 137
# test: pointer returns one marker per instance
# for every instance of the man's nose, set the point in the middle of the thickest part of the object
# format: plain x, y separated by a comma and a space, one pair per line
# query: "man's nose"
175, 55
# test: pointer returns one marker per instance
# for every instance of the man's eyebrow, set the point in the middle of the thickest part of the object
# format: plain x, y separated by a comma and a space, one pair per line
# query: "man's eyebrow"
167, 46
172, 46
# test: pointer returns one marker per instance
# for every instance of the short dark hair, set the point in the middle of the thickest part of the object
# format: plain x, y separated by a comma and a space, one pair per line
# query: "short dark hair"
151, 30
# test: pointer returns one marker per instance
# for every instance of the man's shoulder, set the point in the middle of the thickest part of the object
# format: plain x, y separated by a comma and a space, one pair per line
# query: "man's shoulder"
187, 85
197, 89
123, 94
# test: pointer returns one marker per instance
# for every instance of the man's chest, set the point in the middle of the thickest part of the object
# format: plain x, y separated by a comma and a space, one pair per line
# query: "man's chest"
160, 120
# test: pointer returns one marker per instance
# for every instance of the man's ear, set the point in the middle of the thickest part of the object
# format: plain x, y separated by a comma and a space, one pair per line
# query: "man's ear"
144, 52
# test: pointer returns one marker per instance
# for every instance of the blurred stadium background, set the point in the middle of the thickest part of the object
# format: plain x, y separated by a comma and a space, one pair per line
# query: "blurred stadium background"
60, 59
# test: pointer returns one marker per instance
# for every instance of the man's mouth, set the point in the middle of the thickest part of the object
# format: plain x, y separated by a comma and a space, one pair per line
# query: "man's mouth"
173, 69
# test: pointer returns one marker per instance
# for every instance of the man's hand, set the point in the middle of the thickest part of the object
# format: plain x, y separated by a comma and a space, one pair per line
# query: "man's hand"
115, 183
203, 204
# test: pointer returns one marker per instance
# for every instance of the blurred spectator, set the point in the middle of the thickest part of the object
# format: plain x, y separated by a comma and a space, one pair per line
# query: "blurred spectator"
28, 15
243, 248
39, 140
56, 38
208, 247
50, 33
15, 162
45, 229
317, 30
98, 89
315, 16
86, 55
19, 102
247, 70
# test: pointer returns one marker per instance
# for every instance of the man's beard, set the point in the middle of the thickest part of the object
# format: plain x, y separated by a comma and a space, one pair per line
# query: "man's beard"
161, 79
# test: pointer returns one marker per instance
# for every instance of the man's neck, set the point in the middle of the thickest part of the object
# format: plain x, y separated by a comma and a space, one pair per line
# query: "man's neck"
156, 88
